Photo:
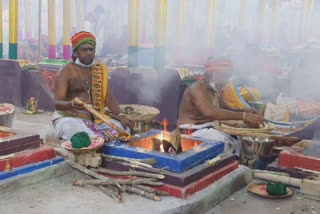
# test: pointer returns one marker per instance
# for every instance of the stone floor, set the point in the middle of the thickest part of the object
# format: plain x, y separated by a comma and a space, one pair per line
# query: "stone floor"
57, 195
39, 123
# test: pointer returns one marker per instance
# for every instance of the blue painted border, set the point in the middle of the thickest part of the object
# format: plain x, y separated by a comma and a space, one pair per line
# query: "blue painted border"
29, 168
175, 163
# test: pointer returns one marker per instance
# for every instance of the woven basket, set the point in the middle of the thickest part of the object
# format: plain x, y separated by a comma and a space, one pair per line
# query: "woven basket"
240, 126
141, 115
140, 112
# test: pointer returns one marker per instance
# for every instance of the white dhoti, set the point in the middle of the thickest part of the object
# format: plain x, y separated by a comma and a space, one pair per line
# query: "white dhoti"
66, 127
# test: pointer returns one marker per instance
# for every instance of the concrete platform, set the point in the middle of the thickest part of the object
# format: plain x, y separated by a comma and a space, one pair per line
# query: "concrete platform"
57, 195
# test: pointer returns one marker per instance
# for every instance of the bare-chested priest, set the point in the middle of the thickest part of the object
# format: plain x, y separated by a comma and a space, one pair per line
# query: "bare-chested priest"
87, 80
202, 104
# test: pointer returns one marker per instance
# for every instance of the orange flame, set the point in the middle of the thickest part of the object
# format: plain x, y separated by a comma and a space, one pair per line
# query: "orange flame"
164, 123
163, 136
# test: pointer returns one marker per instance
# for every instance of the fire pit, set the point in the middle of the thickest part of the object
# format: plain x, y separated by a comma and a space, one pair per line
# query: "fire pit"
194, 150
15, 141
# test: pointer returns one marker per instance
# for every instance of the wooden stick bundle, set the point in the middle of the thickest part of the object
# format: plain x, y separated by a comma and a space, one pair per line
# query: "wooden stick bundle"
143, 193
149, 189
107, 185
112, 186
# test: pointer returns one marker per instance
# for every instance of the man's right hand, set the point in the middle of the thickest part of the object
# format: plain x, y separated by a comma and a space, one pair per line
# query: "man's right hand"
76, 105
254, 120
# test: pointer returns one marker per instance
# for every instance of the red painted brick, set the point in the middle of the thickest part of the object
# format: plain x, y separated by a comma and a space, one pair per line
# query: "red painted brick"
290, 160
183, 192
27, 157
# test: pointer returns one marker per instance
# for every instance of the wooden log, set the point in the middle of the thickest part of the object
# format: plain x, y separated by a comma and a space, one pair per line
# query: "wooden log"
147, 181
176, 140
129, 173
143, 193
100, 116
151, 190
92, 173
149, 161
116, 196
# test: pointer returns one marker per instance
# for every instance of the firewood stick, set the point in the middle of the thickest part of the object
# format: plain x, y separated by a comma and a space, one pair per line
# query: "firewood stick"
130, 173
111, 193
146, 161
100, 116
92, 173
147, 181
151, 190
156, 170
143, 193
138, 163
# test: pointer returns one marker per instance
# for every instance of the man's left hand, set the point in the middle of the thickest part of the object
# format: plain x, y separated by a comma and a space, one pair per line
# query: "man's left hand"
125, 122
251, 111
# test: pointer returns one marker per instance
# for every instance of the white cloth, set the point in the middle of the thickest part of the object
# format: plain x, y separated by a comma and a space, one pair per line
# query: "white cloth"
66, 127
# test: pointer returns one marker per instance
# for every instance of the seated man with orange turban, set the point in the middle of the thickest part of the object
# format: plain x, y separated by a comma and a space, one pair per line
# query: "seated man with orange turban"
202, 104
87, 80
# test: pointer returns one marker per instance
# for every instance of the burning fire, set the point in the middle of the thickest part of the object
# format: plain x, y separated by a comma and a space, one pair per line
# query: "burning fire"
163, 136
162, 148
164, 123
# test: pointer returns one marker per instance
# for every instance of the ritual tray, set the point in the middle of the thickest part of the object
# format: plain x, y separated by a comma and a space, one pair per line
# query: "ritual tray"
260, 189
242, 128
96, 144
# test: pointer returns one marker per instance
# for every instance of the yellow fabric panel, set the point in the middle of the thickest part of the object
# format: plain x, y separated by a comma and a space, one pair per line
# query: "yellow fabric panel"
250, 94
100, 75
231, 98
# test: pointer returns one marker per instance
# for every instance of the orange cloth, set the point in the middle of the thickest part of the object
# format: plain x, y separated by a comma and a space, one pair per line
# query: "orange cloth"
232, 98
